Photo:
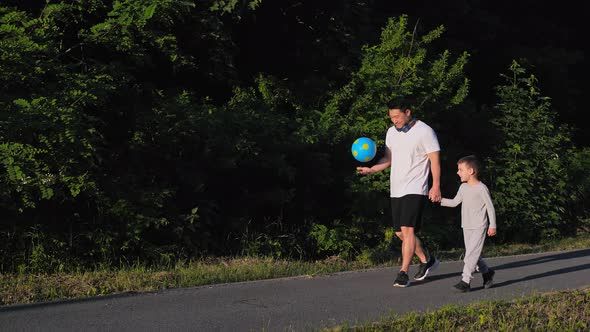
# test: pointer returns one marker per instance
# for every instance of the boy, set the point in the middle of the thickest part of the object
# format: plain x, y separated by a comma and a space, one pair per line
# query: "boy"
476, 201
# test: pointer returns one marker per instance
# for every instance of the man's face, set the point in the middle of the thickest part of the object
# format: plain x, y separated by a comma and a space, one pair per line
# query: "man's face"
399, 117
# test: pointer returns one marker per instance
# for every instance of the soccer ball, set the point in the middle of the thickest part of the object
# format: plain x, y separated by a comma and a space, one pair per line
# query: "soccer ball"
364, 149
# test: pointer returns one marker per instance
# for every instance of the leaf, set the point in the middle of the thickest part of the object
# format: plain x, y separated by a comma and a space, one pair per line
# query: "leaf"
21, 103
149, 11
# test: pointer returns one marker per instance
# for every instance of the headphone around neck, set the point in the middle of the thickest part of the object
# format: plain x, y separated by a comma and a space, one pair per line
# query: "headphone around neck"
407, 126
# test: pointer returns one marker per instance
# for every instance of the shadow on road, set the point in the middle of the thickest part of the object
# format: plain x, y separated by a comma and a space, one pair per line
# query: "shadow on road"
438, 277
545, 259
545, 274
532, 261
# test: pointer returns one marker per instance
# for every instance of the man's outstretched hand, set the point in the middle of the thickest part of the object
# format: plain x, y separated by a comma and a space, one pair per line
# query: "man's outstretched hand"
364, 170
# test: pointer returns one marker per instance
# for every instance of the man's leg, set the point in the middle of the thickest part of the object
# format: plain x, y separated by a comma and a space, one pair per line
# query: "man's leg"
408, 247
396, 215
402, 279
419, 249
407, 215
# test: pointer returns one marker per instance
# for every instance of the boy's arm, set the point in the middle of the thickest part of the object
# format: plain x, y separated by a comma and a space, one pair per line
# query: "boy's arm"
453, 202
487, 198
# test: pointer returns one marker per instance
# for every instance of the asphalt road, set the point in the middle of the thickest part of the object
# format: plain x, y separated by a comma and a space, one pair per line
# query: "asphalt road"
301, 303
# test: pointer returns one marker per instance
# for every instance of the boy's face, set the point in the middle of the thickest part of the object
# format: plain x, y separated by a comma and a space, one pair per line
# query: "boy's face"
464, 171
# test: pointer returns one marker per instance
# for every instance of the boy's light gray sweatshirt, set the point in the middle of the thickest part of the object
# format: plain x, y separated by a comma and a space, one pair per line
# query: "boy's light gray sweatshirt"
476, 201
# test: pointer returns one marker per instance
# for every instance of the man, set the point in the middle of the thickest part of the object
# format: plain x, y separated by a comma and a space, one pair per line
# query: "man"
412, 151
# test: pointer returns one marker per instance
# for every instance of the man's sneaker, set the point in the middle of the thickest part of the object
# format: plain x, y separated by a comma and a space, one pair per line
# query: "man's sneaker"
425, 268
402, 280
488, 278
462, 287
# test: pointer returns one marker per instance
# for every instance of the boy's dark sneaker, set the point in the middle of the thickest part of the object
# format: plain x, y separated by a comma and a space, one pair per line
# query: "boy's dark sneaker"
462, 287
488, 278
402, 280
425, 268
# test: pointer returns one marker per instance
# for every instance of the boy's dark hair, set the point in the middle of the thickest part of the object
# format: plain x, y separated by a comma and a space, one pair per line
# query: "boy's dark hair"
398, 103
472, 162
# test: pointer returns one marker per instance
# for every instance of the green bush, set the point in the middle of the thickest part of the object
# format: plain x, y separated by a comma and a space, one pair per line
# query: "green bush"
528, 170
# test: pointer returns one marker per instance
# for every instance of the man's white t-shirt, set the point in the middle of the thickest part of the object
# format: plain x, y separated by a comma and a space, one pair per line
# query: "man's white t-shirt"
410, 165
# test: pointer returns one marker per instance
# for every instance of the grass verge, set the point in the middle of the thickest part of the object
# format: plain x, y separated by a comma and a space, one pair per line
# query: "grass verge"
32, 288
558, 311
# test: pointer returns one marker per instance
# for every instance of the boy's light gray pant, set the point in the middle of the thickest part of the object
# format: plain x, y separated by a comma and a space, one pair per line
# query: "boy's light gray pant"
474, 239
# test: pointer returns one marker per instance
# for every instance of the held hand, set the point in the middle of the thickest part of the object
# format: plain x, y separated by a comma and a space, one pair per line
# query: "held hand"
491, 231
434, 194
364, 170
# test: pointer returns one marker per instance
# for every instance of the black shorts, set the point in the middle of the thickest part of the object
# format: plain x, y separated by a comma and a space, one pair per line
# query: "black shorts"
407, 211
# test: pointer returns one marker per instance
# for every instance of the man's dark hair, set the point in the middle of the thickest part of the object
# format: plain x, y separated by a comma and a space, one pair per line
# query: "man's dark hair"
471, 162
398, 103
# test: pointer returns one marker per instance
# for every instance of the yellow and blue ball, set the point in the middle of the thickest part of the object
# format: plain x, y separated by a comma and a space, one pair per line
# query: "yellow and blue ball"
364, 149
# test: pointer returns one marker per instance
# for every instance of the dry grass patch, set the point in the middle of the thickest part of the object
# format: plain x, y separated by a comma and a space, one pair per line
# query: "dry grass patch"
22, 288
